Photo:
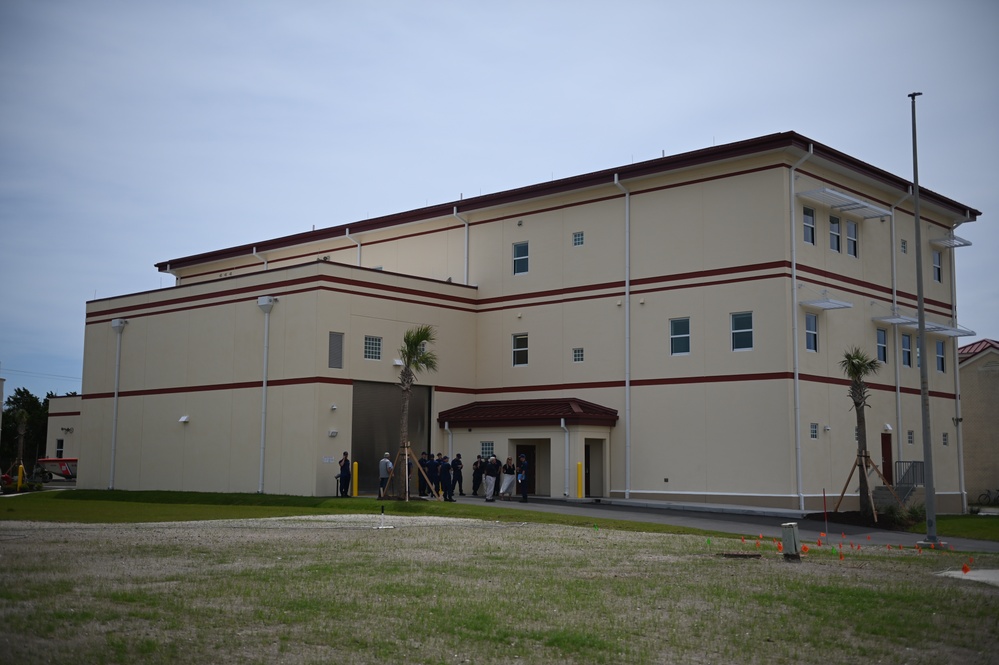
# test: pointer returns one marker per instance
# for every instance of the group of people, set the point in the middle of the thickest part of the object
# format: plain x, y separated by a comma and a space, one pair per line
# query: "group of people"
500, 480
441, 476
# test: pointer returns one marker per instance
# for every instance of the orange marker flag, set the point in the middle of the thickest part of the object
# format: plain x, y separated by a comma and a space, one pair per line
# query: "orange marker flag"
821, 533
965, 569
819, 541
840, 556
900, 547
804, 549
780, 547
868, 537
971, 559
889, 547
843, 535
933, 546
757, 543
743, 539
761, 536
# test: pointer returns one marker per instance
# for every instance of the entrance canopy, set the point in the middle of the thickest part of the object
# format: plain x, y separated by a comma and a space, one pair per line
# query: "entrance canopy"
528, 412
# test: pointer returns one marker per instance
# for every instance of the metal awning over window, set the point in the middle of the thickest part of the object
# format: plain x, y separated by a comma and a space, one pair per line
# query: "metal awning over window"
912, 323
949, 242
824, 304
845, 203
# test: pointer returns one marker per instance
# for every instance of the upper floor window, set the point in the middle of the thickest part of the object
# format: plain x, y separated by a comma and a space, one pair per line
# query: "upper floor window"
336, 350
946, 439
577, 354
520, 263
910, 437
882, 346
372, 348
941, 362
811, 332
937, 266
679, 336
520, 349
813, 430
834, 234
852, 239
742, 331
577, 238
809, 217
905, 246
907, 350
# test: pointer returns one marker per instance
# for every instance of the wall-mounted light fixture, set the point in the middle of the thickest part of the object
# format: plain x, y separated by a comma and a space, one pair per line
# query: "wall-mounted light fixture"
184, 419
887, 427
333, 433
397, 362
67, 430
827, 429
332, 407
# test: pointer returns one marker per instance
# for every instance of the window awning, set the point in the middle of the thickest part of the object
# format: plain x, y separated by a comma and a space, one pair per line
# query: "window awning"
824, 304
949, 242
845, 203
912, 323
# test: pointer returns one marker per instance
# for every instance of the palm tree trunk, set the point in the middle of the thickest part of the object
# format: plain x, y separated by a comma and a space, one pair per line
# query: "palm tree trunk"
866, 508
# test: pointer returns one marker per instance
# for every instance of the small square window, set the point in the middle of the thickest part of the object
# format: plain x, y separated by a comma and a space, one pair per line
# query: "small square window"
941, 359
910, 437
372, 348
852, 239
834, 234
487, 448
679, 337
813, 430
882, 346
907, 350
520, 349
811, 332
946, 439
742, 331
520, 259
905, 246
577, 238
809, 217
577, 355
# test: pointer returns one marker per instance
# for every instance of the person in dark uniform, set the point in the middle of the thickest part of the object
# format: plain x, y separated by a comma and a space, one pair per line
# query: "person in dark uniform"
456, 480
432, 474
344, 475
422, 480
478, 468
445, 475
522, 476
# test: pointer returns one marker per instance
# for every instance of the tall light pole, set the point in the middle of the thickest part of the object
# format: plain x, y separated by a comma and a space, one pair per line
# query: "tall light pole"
924, 381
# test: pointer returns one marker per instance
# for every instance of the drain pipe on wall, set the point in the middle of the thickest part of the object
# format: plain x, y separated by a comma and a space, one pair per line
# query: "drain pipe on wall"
260, 257
465, 222
265, 303
627, 337
894, 312
353, 240
794, 329
565, 429
958, 419
118, 325
450, 440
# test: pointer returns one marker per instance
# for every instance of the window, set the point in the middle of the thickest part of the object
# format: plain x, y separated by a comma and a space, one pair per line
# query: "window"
679, 337
937, 266
60, 447
336, 351
910, 437
742, 331
882, 346
905, 246
941, 363
946, 439
487, 449
852, 239
372, 348
811, 332
809, 217
577, 355
834, 235
813, 430
577, 238
907, 350
520, 263
520, 349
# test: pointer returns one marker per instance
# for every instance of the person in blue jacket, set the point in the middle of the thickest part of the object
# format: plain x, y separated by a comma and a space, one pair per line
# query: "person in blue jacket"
522, 476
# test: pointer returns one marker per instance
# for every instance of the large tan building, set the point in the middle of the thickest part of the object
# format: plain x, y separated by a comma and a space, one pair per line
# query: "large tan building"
673, 326
979, 371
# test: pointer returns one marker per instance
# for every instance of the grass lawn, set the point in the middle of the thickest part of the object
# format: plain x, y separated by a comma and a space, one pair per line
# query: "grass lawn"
123, 577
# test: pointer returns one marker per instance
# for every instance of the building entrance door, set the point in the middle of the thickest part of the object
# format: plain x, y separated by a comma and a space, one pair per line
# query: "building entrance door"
886, 459
532, 466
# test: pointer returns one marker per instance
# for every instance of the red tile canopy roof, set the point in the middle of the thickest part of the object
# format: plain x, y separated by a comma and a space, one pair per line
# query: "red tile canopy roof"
528, 412
973, 349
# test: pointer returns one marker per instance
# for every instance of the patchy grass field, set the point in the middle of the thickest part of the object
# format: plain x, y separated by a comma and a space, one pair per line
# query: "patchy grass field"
334, 588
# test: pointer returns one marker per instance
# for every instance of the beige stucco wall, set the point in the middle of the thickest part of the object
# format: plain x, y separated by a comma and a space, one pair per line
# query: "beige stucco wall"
979, 398
63, 423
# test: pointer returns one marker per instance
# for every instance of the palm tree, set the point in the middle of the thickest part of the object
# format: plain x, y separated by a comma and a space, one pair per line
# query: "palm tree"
415, 359
857, 366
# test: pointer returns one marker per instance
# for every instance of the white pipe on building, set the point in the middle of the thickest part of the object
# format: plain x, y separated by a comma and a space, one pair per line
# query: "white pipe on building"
794, 330
465, 222
260, 257
955, 363
265, 303
118, 325
565, 492
895, 337
353, 240
450, 440
627, 337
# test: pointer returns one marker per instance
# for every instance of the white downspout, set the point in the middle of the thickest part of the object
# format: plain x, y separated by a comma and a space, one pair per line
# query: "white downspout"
118, 325
260, 257
354, 240
565, 429
627, 337
898, 352
794, 330
265, 303
958, 419
450, 440
465, 222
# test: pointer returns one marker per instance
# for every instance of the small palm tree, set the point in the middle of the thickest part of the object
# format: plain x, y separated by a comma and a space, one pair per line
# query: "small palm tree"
857, 366
415, 359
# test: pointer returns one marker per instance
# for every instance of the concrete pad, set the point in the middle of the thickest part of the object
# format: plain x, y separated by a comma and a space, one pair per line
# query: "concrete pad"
984, 576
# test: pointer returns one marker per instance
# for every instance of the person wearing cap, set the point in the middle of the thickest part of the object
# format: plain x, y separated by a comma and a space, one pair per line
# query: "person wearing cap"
491, 474
522, 476
478, 468
422, 479
344, 474
456, 480
384, 469
447, 488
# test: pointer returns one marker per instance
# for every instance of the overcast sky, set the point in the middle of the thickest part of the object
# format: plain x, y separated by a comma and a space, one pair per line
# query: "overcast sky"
133, 132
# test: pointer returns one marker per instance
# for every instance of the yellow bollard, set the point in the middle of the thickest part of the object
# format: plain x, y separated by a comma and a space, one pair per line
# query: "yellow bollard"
353, 479
20, 477
579, 480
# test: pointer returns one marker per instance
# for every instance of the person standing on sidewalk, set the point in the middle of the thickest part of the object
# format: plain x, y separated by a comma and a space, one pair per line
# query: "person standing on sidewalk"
345, 474
491, 474
456, 480
522, 476
384, 469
